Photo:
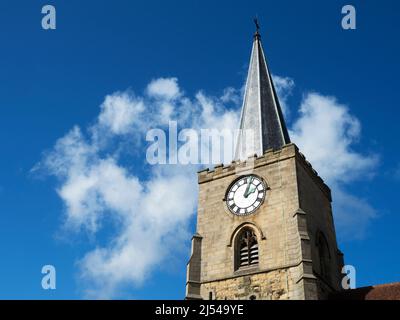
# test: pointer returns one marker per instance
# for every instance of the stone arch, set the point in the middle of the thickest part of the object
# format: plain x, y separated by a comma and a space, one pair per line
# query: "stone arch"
260, 234
324, 255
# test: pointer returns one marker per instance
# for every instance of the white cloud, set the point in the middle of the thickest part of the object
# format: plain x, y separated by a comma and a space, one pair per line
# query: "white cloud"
215, 115
231, 95
284, 87
150, 214
326, 133
150, 232
166, 88
120, 111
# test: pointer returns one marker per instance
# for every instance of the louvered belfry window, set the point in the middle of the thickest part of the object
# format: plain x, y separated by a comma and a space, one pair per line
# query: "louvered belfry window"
247, 249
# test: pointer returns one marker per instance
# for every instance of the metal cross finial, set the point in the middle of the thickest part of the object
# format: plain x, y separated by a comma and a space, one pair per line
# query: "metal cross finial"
257, 24
257, 33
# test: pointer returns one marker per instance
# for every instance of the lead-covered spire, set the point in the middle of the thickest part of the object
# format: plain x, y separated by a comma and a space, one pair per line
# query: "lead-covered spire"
262, 124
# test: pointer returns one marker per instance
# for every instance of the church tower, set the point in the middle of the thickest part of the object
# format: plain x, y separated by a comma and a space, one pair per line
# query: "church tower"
265, 228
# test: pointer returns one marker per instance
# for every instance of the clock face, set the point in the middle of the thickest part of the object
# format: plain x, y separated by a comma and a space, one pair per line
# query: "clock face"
246, 195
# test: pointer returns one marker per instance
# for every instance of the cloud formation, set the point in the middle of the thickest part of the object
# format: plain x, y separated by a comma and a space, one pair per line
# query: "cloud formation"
119, 112
326, 129
164, 88
151, 214
284, 87
326, 133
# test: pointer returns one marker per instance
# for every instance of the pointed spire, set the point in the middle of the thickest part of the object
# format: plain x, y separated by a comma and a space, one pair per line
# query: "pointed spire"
262, 124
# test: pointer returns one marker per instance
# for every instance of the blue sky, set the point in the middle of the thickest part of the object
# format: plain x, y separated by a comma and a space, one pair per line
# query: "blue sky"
51, 81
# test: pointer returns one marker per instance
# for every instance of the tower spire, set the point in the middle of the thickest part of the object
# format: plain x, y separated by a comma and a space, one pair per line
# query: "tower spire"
262, 124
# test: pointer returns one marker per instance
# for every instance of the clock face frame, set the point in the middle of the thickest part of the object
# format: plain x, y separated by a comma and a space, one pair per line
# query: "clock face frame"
246, 195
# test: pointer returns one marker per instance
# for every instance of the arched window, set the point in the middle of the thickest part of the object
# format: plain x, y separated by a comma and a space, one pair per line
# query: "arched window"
246, 249
324, 256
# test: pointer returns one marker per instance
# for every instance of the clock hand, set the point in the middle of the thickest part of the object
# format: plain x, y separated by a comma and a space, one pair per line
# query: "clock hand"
252, 190
246, 194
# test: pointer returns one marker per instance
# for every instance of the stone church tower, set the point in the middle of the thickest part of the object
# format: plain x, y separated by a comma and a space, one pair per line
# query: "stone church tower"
265, 228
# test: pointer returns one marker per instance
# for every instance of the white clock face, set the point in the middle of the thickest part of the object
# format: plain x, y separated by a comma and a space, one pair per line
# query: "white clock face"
246, 195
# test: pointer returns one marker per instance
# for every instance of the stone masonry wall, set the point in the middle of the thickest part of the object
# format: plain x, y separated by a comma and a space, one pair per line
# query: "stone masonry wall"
285, 262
